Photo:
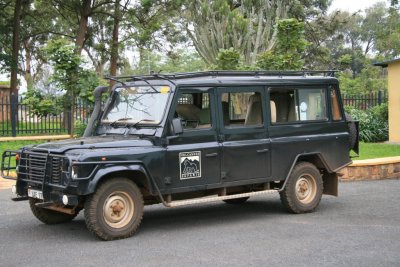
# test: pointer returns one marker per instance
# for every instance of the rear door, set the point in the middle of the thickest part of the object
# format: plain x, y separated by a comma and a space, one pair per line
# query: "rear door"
242, 134
302, 124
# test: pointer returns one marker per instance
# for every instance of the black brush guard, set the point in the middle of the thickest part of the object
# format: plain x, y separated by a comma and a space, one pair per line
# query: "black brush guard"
9, 164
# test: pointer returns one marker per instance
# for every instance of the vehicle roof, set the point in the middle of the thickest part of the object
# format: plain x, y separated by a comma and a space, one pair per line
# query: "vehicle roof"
235, 78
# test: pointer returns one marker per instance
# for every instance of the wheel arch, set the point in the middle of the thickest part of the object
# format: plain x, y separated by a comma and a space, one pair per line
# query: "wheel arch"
135, 173
329, 177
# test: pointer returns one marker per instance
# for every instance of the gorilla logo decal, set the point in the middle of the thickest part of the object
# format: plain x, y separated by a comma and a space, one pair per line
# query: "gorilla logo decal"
190, 165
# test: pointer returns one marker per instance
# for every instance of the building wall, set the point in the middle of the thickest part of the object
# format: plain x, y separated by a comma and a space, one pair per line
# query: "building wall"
394, 101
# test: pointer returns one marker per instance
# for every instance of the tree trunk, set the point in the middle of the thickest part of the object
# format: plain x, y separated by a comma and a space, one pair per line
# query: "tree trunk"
28, 65
15, 48
85, 11
14, 66
114, 43
83, 25
72, 129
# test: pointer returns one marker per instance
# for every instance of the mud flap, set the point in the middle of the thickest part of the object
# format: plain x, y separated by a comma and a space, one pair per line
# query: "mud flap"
330, 184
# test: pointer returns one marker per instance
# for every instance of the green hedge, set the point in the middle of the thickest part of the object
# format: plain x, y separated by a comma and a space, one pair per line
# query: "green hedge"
373, 123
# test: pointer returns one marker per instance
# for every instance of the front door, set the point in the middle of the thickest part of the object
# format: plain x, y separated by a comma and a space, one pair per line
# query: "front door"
193, 158
243, 136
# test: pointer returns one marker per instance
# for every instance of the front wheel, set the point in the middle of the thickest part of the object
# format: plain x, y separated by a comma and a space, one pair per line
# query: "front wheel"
303, 190
115, 210
48, 216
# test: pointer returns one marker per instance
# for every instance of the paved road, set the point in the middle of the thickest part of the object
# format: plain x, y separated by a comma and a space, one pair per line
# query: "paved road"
360, 228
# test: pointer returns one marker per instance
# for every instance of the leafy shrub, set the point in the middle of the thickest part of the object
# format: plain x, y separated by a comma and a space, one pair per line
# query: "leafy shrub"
228, 59
373, 123
79, 128
41, 104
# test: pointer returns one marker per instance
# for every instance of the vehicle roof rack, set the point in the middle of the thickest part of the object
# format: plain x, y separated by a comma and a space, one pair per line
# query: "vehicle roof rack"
217, 73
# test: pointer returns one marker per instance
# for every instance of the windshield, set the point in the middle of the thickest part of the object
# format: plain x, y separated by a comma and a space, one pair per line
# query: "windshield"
141, 105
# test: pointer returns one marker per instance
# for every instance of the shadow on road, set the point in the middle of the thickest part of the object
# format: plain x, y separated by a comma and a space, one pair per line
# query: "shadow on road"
158, 218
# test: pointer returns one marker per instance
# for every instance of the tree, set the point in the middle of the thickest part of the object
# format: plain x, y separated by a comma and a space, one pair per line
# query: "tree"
115, 42
150, 25
290, 45
388, 37
6, 28
246, 26
69, 75
14, 62
228, 59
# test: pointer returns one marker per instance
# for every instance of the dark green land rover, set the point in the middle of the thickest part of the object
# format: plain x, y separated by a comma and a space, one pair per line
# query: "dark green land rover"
187, 138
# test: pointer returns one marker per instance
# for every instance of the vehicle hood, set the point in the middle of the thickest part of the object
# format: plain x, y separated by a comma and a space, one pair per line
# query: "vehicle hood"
96, 142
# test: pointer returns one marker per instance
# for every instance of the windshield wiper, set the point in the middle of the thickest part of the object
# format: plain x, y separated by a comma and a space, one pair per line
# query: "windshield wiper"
142, 120
112, 124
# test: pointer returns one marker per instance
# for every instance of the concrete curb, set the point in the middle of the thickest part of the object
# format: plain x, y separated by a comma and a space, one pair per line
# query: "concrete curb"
372, 169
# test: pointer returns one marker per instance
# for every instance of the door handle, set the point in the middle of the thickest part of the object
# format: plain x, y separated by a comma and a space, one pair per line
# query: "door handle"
262, 150
211, 155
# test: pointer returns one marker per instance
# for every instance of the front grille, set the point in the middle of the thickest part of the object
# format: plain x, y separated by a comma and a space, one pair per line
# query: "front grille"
56, 170
38, 166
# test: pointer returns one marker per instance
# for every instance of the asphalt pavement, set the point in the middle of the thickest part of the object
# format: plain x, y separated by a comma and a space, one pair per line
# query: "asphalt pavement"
359, 228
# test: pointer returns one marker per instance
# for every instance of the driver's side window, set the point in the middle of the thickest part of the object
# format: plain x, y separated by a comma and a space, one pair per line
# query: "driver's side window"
194, 110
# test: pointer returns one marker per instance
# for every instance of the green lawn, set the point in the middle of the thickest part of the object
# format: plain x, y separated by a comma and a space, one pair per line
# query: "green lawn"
14, 145
378, 150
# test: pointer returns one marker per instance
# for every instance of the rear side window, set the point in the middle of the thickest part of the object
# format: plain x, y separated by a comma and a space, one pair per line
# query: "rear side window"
336, 115
297, 105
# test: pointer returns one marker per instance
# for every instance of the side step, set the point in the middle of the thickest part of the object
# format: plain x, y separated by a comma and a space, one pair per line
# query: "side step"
185, 202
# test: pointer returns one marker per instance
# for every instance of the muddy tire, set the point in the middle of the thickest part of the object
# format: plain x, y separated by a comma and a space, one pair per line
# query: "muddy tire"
236, 200
303, 190
115, 210
352, 131
49, 216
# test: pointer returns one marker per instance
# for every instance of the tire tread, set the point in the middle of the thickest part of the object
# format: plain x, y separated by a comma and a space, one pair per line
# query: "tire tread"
91, 215
288, 200
49, 216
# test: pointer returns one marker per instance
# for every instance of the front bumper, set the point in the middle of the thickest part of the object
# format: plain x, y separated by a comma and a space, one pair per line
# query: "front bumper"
45, 172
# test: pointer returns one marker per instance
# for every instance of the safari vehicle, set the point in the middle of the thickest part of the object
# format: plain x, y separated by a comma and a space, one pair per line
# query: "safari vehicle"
189, 138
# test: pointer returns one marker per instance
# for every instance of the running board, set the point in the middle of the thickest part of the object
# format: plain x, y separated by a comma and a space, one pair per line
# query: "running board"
185, 202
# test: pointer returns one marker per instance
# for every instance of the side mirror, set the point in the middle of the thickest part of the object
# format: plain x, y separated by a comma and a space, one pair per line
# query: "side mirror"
177, 126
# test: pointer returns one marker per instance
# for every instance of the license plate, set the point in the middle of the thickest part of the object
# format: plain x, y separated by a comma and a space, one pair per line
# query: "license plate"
35, 193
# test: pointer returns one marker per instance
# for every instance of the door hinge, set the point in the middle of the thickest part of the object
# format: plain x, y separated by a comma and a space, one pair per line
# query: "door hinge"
224, 175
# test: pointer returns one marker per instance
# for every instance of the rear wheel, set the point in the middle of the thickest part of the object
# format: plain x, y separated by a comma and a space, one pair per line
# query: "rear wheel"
115, 210
49, 216
236, 200
352, 131
303, 190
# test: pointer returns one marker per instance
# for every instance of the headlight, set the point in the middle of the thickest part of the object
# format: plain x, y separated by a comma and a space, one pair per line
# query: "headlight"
74, 172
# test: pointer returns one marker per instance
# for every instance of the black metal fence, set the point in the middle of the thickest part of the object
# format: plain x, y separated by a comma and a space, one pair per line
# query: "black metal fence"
27, 123
365, 101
